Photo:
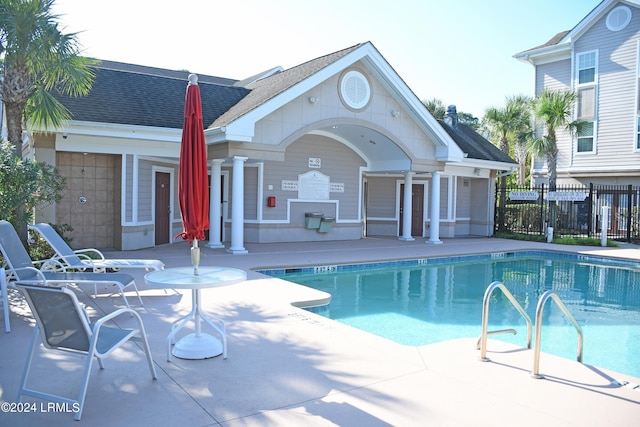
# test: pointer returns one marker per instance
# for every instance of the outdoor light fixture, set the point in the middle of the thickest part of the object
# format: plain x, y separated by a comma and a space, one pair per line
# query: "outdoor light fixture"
313, 99
395, 113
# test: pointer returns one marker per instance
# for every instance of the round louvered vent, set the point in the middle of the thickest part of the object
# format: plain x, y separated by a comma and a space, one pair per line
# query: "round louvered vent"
355, 90
618, 18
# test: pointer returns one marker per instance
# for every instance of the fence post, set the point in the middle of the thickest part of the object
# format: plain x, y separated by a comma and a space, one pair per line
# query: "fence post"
590, 225
605, 224
542, 227
629, 211
495, 210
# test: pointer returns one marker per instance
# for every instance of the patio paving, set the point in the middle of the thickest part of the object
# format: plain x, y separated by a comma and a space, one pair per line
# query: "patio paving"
290, 367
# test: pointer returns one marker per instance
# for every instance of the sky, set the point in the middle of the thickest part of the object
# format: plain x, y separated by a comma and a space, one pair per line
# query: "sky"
458, 51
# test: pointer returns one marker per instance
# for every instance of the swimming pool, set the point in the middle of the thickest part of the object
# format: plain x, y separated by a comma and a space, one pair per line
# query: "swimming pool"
423, 301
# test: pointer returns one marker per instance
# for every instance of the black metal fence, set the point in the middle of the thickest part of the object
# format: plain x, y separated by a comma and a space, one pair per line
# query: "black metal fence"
578, 211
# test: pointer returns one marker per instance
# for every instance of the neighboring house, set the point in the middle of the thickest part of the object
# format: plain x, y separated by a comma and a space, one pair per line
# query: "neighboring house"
599, 59
341, 135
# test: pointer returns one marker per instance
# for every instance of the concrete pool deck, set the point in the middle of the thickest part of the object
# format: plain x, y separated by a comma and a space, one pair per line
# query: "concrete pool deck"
290, 367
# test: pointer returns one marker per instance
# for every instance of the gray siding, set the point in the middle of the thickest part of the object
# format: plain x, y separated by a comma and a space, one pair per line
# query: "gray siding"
145, 193
338, 161
250, 192
444, 197
381, 201
617, 76
128, 208
555, 75
463, 198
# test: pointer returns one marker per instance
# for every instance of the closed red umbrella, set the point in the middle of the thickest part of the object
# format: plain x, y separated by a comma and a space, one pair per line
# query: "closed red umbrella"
193, 189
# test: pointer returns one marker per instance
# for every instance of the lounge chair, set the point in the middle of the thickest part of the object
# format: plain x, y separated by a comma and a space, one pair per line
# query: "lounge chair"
62, 324
22, 269
80, 260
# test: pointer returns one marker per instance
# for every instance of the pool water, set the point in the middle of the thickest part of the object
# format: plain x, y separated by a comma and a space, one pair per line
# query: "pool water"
426, 301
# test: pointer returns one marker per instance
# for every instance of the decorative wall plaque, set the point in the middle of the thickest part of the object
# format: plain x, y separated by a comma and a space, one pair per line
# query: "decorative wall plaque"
313, 185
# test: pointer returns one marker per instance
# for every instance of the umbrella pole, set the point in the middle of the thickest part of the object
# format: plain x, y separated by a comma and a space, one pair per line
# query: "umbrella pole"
195, 256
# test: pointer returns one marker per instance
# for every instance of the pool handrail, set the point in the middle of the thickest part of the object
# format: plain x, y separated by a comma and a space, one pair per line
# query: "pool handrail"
539, 309
485, 317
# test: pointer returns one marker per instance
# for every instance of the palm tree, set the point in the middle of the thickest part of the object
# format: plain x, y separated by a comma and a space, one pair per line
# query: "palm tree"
37, 59
553, 110
509, 125
523, 130
436, 107
497, 121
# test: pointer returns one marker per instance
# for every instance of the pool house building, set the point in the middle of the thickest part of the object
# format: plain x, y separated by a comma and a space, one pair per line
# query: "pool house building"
336, 148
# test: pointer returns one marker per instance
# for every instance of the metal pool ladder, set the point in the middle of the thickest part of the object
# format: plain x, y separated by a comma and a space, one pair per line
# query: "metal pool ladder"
482, 342
536, 350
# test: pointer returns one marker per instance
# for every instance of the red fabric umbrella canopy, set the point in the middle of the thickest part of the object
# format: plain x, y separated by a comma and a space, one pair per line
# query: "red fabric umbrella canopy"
193, 188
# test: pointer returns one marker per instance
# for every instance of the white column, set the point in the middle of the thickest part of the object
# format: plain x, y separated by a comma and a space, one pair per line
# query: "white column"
215, 209
237, 207
407, 207
434, 224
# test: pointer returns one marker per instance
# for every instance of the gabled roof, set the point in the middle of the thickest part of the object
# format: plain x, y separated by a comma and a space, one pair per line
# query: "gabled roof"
265, 89
273, 92
145, 96
128, 94
475, 145
552, 42
563, 41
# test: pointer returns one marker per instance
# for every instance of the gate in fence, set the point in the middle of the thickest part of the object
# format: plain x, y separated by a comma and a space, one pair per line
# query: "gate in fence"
578, 211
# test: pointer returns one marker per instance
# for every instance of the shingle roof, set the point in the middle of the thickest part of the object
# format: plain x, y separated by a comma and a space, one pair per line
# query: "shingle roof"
474, 144
552, 42
266, 89
144, 96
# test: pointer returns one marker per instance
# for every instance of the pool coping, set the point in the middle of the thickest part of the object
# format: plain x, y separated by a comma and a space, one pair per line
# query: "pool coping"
330, 268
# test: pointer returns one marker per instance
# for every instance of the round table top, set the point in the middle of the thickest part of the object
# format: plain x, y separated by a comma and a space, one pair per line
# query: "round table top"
183, 277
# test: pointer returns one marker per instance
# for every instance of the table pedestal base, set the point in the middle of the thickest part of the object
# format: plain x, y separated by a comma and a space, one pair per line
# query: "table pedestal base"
194, 346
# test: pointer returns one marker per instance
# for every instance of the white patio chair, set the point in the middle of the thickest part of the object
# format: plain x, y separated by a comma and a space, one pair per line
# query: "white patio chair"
23, 269
79, 258
62, 324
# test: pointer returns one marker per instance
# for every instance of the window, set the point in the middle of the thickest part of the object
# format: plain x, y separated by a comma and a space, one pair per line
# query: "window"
355, 90
618, 18
587, 105
587, 68
585, 138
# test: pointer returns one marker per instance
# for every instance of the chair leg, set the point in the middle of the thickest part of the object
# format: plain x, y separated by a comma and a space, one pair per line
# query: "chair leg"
138, 293
5, 300
27, 367
145, 343
85, 379
124, 297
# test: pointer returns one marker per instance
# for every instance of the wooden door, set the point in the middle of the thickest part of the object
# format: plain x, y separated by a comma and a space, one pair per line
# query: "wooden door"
417, 209
163, 208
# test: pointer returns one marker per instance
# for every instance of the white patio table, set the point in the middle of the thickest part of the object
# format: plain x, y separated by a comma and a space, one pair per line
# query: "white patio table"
197, 345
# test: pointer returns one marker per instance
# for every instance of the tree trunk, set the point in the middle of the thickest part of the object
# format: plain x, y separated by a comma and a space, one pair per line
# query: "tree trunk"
14, 128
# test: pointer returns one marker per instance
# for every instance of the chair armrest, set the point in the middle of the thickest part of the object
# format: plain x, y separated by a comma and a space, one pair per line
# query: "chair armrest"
38, 273
98, 323
90, 250
66, 264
